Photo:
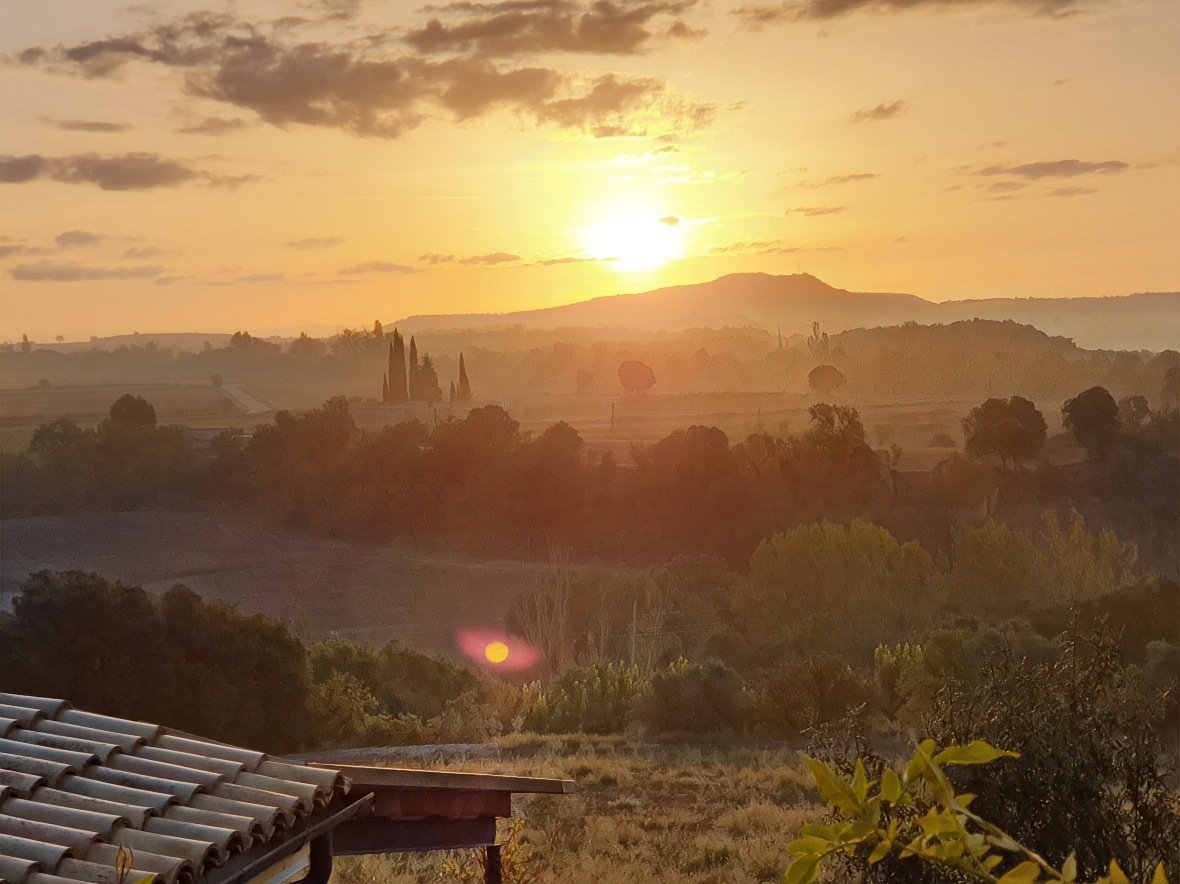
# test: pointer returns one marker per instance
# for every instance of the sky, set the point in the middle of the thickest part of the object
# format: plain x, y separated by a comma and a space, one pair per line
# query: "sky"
282, 166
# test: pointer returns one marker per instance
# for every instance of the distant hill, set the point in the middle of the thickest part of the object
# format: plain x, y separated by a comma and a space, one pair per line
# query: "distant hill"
1142, 321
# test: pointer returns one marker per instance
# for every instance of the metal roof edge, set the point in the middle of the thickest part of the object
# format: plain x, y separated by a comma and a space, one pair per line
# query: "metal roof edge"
413, 778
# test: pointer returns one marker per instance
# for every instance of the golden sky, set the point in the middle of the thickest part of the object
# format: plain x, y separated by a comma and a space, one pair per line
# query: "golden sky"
278, 166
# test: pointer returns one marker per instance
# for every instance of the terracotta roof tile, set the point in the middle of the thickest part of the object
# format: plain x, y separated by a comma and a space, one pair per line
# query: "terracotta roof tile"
76, 785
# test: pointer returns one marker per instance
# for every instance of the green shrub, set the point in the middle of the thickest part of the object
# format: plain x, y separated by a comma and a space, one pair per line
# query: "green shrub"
799, 694
593, 699
694, 698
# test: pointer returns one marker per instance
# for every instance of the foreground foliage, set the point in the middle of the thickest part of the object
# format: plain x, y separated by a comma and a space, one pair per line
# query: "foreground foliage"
916, 813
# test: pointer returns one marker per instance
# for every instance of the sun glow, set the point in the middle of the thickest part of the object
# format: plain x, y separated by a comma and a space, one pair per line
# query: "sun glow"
635, 240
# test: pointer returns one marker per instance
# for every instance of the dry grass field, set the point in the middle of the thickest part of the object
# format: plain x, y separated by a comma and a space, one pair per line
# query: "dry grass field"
643, 812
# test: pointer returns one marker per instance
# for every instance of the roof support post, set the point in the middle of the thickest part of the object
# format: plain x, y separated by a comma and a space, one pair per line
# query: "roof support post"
319, 868
493, 868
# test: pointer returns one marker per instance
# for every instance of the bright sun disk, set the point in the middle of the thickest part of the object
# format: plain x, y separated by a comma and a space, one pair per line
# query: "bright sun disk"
635, 241
496, 652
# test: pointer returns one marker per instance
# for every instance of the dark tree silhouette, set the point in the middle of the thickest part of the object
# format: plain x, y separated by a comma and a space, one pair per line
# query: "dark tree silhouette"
132, 411
636, 377
385, 388
398, 391
1170, 391
428, 388
826, 378
464, 390
415, 384
451, 395
817, 344
1093, 417
1012, 429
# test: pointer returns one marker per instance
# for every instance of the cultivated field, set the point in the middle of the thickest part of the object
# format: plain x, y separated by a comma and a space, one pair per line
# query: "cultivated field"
368, 593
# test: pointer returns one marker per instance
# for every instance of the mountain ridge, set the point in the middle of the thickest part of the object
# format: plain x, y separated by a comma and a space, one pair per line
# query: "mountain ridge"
1141, 320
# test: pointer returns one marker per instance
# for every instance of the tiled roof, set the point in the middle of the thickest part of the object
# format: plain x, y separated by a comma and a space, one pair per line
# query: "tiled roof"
75, 786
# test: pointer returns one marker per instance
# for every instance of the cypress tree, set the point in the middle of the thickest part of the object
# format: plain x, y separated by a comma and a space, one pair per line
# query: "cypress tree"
412, 369
397, 370
464, 391
428, 388
451, 395
385, 388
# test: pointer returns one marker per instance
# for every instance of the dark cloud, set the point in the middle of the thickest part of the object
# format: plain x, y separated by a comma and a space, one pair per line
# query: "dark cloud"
760, 15
1057, 169
1006, 186
379, 267
88, 125
816, 211
493, 258
839, 179
215, 126
540, 26
131, 171
72, 239
359, 87
48, 271
881, 112
315, 242
436, 258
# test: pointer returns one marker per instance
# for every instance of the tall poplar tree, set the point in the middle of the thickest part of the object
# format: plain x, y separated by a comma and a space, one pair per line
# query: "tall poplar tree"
412, 369
397, 370
464, 391
385, 388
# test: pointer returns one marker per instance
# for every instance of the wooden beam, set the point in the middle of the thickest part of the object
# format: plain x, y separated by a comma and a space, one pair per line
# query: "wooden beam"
376, 835
409, 804
409, 778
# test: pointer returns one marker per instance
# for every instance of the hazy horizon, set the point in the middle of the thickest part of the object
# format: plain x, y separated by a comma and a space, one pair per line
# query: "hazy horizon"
199, 167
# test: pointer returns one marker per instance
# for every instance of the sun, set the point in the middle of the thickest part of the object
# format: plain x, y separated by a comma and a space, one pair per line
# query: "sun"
635, 240
496, 652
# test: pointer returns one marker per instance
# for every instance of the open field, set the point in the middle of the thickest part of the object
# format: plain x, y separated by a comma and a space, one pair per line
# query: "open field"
643, 812
368, 593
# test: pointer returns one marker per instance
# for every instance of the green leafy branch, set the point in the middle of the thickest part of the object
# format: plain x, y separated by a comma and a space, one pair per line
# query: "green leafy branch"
950, 834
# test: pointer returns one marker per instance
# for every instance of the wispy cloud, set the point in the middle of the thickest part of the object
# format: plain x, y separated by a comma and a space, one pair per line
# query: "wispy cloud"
131, 171
760, 15
816, 211
378, 267
889, 111
73, 239
315, 242
835, 180
48, 271
88, 125
1057, 169
490, 259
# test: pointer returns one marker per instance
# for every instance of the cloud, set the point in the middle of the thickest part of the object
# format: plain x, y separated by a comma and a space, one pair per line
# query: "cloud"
252, 278
881, 112
516, 27
839, 179
1072, 191
48, 271
670, 220
816, 211
569, 259
131, 171
760, 15
88, 125
1006, 186
359, 87
72, 239
215, 126
436, 258
490, 260
1057, 169
746, 247
315, 242
138, 253
379, 267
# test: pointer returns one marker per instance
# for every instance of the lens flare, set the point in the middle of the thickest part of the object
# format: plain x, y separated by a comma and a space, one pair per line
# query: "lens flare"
495, 650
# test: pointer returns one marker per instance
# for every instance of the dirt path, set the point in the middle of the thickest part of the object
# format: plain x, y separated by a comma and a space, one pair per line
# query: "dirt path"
244, 400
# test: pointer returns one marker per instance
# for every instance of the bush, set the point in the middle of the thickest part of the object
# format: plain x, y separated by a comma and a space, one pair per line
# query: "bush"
1092, 773
593, 699
801, 694
694, 698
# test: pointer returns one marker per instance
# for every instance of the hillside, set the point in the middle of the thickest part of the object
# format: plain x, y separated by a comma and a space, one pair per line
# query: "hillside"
1148, 321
